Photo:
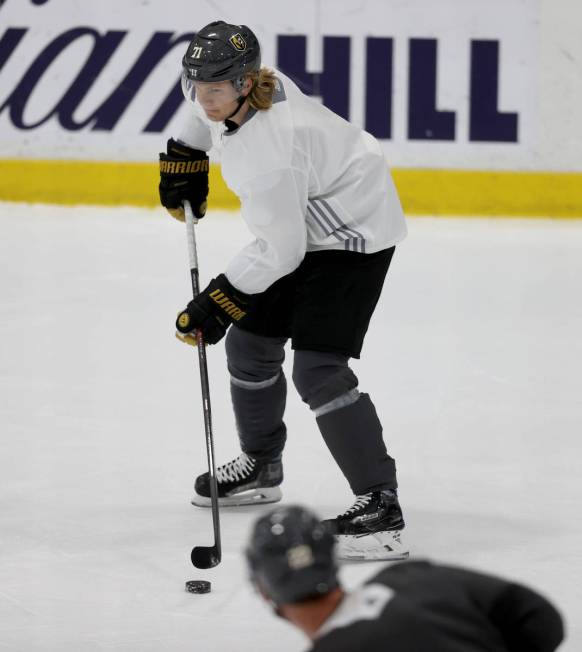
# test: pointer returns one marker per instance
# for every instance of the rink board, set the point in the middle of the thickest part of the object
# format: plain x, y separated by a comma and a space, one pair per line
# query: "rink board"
422, 192
479, 119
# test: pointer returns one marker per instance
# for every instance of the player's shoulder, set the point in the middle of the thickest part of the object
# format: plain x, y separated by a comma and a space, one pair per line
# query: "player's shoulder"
395, 572
289, 97
424, 581
421, 580
282, 86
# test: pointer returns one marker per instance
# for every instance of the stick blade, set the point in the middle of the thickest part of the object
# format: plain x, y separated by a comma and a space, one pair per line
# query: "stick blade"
205, 556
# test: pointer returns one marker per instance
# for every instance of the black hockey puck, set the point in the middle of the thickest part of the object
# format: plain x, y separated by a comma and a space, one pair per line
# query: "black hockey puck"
198, 586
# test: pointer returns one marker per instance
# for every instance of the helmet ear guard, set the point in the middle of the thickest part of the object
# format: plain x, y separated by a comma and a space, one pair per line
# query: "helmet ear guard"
239, 84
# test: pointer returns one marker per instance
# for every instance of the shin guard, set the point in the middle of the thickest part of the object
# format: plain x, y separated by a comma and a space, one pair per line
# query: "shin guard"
258, 409
353, 435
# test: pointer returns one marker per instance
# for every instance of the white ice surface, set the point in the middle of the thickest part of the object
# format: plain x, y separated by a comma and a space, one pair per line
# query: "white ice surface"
473, 360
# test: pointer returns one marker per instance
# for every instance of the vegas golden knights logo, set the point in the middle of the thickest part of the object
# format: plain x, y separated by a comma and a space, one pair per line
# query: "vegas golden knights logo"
238, 42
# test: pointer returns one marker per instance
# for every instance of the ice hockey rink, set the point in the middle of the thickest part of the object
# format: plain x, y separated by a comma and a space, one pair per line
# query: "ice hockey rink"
473, 360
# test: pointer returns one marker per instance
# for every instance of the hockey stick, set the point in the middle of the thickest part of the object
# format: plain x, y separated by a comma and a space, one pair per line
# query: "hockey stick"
203, 556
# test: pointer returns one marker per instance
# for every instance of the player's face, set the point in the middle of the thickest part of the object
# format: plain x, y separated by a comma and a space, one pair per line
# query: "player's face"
218, 99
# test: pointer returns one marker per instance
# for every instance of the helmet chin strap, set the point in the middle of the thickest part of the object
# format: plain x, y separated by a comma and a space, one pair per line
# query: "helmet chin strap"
240, 101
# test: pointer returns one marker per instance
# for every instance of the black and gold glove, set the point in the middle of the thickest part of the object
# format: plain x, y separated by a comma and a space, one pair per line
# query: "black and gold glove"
212, 312
183, 176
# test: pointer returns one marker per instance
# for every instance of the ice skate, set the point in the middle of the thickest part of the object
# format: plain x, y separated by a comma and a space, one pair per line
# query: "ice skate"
370, 529
243, 481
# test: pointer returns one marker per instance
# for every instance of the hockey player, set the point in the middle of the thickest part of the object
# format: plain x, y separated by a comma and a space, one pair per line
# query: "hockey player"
408, 607
318, 198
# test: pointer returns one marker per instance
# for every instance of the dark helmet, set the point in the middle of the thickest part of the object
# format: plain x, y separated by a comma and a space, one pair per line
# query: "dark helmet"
220, 52
291, 555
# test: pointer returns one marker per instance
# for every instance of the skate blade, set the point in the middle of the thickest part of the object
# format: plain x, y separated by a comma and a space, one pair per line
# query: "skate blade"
377, 546
258, 496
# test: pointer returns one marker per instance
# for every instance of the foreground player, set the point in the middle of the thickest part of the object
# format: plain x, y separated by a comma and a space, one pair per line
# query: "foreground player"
408, 607
317, 196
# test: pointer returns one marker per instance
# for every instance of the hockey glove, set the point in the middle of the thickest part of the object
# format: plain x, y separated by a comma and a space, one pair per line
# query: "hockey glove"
212, 312
183, 176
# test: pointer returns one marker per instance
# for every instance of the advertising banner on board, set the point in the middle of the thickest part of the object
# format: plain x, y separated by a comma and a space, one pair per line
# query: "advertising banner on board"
449, 84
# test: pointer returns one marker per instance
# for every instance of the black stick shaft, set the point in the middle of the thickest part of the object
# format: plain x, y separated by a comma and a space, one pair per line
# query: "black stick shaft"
203, 365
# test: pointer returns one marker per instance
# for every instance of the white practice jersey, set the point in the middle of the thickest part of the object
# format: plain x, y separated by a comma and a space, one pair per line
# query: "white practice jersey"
307, 180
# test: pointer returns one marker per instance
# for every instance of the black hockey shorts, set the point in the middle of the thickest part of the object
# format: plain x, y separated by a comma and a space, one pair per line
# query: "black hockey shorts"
324, 305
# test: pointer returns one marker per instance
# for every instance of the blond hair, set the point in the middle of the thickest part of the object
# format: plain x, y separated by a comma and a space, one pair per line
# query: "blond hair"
261, 93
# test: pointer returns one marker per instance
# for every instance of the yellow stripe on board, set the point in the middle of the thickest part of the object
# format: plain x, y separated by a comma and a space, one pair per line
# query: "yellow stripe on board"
94, 182
423, 192
468, 192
